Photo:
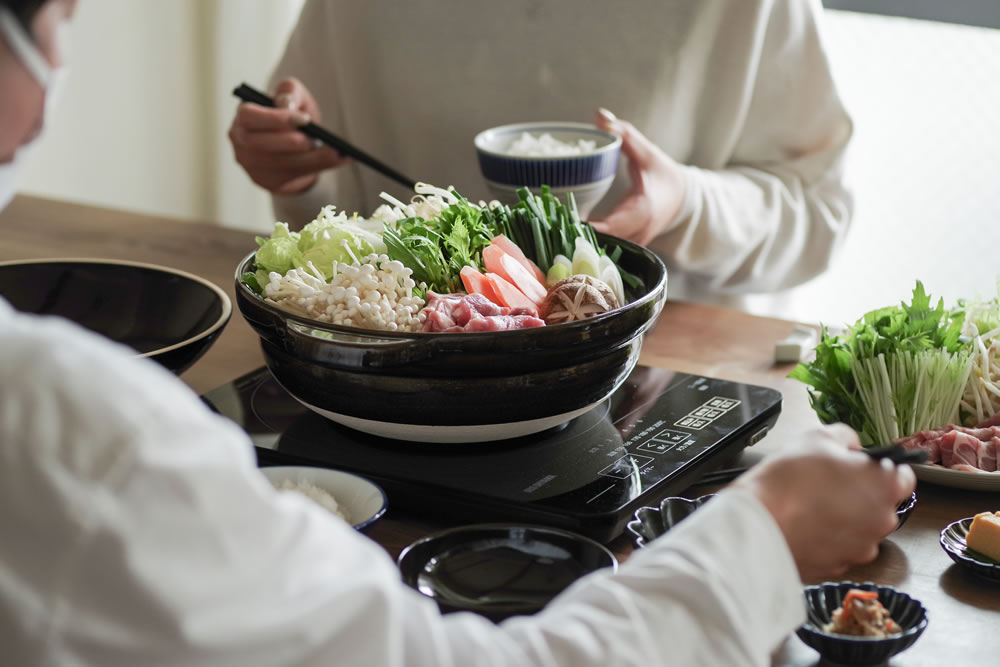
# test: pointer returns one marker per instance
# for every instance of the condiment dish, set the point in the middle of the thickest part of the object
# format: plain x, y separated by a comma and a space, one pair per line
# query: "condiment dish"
500, 570
822, 600
953, 542
652, 522
361, 500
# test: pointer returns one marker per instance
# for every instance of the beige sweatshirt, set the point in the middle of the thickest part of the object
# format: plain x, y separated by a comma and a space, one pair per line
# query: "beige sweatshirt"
738, 90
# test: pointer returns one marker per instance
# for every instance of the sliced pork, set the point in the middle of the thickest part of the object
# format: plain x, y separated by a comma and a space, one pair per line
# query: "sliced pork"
958, 447
456, 313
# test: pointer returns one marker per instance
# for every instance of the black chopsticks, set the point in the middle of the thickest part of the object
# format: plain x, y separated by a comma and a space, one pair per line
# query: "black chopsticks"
895, 453
249, 94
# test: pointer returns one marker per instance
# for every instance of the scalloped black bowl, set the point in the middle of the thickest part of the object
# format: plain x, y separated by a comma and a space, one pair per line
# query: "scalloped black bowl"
165, 314
824, 599
651, 522
457, 387
905, 509
953, 542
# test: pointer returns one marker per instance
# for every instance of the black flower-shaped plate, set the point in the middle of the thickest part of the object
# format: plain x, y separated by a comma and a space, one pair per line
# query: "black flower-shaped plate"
954, 544
822, 600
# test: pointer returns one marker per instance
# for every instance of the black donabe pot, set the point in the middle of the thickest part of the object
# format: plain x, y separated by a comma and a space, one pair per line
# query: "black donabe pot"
409, 385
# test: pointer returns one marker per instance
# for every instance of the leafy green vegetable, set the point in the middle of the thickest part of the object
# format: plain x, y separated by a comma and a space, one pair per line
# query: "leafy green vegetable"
331, 237
280, 252
250, 280
436, 249
544, 227
896, 371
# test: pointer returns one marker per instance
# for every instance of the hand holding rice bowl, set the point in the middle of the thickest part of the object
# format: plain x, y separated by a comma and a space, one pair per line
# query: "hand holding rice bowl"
567, 156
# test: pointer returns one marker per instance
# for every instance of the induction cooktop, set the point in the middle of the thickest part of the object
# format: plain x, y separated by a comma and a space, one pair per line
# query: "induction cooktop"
652, 438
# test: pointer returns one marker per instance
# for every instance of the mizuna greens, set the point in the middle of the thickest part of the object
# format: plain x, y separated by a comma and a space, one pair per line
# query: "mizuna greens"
896, 371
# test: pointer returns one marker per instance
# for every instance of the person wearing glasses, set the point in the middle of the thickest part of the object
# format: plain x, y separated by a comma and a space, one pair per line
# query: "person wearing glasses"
136, 529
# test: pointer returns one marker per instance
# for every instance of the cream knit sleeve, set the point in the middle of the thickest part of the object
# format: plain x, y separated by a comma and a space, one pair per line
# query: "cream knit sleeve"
775, 215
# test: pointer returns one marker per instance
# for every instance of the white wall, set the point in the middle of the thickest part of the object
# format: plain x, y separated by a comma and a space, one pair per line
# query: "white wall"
924, 163
141, 123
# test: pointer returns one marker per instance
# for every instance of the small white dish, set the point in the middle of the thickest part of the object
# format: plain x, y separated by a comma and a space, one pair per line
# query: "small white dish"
362, 500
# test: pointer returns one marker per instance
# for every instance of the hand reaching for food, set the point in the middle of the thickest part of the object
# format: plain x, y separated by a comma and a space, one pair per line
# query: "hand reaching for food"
833, 505
657, 191
269, 147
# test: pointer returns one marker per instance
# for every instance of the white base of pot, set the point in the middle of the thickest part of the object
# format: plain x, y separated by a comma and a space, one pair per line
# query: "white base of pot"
449, 434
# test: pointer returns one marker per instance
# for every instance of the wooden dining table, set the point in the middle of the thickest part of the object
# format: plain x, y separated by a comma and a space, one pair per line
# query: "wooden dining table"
963, 609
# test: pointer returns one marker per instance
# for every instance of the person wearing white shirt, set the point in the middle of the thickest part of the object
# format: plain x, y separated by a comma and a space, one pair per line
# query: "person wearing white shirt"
733, 169
135, 528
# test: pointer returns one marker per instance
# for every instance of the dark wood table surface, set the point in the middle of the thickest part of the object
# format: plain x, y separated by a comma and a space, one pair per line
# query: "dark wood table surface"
964, 610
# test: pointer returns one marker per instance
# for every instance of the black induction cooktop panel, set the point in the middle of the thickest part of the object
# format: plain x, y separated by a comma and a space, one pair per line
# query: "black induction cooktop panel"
652, 438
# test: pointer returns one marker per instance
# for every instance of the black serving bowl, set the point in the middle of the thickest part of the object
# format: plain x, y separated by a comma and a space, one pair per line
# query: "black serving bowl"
499, 570
457, 387
167, 315
824, 599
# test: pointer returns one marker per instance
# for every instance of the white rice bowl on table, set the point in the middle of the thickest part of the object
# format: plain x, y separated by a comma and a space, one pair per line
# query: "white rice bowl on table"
356, 500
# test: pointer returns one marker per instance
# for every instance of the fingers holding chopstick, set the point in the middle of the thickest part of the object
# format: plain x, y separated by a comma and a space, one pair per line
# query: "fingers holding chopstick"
268, 142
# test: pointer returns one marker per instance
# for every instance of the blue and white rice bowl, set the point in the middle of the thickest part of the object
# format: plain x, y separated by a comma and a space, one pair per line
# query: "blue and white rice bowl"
588, 175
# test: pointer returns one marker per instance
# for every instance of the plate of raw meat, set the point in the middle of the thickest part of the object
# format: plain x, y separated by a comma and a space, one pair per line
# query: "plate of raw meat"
959, 456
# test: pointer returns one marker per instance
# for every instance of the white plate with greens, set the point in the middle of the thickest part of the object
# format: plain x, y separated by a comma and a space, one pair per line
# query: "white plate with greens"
961, 479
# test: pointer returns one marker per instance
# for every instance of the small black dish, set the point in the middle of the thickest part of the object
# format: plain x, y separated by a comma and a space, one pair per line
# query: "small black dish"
953, 542
651, 522
905, 509
499, 570
824, 599
165, 314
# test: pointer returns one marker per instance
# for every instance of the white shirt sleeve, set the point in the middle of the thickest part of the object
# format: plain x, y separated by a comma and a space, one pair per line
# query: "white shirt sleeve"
776, 213
136, 530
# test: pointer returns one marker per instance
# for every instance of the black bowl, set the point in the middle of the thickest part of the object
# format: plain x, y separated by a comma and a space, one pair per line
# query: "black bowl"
824, 599
651, 522
167, 315
953, 541
905, 509
457, 387
499, 570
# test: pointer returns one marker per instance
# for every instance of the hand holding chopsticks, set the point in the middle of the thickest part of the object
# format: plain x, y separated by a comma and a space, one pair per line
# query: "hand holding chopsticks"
895, 453
249, 94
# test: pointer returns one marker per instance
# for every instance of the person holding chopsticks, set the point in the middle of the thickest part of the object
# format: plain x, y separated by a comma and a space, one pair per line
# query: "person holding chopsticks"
734, 156
136, 529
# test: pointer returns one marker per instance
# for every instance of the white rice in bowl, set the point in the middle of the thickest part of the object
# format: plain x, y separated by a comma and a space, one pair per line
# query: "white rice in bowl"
545, 145
317, 494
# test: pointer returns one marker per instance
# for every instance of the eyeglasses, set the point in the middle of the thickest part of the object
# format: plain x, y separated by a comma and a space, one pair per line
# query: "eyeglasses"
22, 45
